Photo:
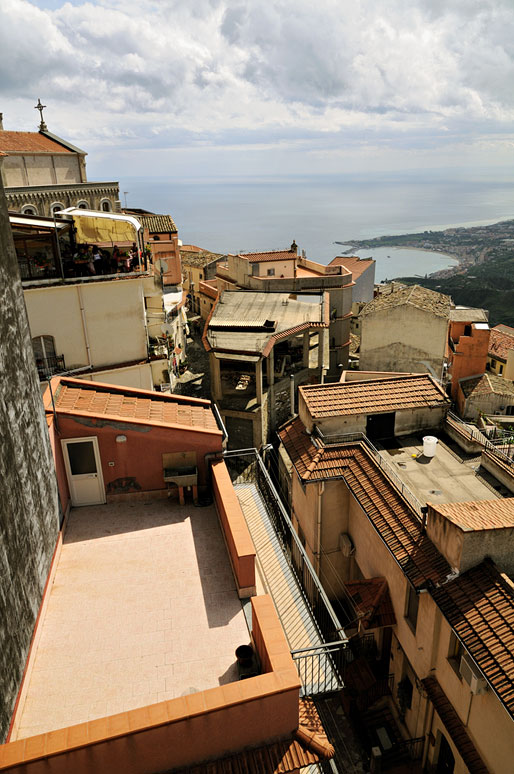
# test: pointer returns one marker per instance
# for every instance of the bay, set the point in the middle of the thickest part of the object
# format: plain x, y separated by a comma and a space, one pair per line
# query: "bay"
263, 213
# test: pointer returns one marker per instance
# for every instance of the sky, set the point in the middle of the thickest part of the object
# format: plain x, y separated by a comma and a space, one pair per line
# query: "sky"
206, 88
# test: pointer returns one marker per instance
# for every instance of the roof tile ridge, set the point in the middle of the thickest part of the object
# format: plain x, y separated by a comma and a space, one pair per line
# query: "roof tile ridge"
314, 741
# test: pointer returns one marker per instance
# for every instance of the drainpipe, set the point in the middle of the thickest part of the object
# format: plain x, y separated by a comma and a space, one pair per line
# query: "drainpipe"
321, 489
291, 393
84, 325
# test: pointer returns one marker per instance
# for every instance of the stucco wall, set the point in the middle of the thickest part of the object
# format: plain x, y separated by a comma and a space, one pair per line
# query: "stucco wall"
114, 319
42, 169
29, 514
138, 464
398, 338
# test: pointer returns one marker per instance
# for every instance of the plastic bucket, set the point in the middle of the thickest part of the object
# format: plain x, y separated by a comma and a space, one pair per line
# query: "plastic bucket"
429, 445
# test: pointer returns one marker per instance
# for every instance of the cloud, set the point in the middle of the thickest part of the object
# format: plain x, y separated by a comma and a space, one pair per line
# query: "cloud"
162, 72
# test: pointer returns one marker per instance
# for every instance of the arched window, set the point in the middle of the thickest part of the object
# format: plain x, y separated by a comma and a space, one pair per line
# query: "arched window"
56, 207
47, 361
106, 205
83, 205
28, 209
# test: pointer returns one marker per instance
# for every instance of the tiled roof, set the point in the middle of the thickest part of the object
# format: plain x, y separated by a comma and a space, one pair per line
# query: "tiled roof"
479, 515
356, 265
197, 257
271, 255
454, 726
422, 298
158, 224
479, 606
308, 747
486, 384
373, 396
391, 515
30, 142
372, 601
501, 341
127, 404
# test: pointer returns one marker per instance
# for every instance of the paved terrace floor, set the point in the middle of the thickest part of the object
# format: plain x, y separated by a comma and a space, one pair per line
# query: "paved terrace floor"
143, 608
447, 477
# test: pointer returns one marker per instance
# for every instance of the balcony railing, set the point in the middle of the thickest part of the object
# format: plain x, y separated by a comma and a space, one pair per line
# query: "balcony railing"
392, 475
48, 366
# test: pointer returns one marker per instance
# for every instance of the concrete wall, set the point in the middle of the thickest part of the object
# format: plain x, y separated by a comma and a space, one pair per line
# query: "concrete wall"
488, 403
41, 169
112, 321
401, 338
365, 285
464, 549
29, 512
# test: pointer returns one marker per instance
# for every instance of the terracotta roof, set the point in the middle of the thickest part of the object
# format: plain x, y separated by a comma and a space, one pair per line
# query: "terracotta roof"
373, 396
197, 256
100, 400
415, 295
501, 342
479, 515
356, 265
30, 142
479, 606
486, 384
158, 224
372, 601
391, 515
308, 747
271, 255
454, 726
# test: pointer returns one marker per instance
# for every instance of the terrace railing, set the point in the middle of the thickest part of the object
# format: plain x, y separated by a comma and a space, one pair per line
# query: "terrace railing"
392, 475
321, 667
474, 434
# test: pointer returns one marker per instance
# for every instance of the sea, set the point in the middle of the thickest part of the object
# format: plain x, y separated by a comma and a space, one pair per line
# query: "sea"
266, 213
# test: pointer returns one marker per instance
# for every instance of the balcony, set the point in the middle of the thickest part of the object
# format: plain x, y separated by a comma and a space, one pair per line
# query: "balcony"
49, 366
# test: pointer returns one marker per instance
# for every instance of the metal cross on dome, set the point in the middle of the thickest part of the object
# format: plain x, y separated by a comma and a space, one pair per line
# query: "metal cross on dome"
42, 126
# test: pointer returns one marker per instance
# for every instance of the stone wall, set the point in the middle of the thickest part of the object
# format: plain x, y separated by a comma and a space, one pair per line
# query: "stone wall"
29, 513
42, 198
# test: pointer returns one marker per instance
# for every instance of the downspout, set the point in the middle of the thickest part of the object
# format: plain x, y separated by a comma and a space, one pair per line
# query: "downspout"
321, 489
428, 731
84, 325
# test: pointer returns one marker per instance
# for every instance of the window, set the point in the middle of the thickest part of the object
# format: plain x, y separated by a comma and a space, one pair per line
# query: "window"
405, 694
411, 607
83, 205
455, 652
500, 370
56, 207
271, 272
467, 330
106, 206
28, 209
255, 269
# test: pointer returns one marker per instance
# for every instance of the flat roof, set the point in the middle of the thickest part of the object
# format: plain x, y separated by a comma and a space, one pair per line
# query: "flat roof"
75, 396
246, 313
143, 608
468, 315
375, 396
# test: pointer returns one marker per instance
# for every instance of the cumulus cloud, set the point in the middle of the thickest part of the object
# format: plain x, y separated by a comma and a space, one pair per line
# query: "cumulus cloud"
161, 72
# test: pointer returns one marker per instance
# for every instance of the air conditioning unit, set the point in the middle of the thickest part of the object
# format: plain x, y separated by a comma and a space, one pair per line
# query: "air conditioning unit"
476, 682
345, 545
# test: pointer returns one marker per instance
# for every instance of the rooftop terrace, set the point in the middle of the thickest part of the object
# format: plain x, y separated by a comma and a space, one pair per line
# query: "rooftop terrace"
143, 608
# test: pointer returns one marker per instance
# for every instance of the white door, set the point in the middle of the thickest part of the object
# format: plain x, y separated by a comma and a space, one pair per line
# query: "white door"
84, 471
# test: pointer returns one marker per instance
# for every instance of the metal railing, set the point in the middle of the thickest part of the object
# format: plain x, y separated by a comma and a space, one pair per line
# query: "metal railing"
246, 466
389, 471
321, 668
407, 749
48, 366
474, 434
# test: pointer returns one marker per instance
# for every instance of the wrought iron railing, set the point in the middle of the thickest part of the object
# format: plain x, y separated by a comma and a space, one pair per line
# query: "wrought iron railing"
48, 366
321, 667
246, 466
406, 749
392, 475
474, 434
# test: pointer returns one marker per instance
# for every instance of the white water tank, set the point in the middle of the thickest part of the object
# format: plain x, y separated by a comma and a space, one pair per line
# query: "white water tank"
429, 445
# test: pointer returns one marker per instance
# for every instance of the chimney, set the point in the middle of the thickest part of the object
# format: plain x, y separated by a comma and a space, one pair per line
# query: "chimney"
1, 122
294, 248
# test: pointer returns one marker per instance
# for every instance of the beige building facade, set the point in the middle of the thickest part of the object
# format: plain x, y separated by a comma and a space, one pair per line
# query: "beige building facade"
405, 330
